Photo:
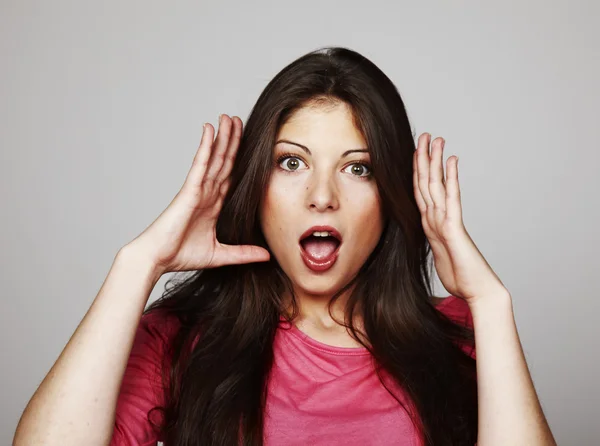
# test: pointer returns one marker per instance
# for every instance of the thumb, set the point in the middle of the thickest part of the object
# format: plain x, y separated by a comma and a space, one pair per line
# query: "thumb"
236, 254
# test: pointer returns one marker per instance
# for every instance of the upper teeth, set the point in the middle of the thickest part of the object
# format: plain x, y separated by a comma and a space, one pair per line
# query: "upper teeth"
321, 234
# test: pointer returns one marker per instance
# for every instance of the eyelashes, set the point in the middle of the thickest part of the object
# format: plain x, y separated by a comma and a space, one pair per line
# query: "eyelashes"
288, 156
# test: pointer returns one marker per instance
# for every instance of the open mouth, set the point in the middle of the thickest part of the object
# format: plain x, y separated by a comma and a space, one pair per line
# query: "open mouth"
320, 247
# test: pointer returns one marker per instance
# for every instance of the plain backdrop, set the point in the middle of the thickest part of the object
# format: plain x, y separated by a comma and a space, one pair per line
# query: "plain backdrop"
102, 106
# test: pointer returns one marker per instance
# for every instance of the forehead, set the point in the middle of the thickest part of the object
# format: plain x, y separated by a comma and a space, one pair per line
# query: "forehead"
323, 126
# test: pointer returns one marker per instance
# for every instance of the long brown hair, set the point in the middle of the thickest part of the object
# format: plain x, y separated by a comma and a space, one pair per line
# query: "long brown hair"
222, 354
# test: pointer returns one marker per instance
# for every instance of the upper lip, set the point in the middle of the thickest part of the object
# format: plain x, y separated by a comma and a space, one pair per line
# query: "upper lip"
334, 232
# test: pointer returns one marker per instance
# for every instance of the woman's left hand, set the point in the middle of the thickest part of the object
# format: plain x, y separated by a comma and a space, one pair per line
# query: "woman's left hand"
462, 269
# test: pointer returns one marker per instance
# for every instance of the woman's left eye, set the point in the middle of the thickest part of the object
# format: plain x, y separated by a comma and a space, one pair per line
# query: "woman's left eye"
358, 169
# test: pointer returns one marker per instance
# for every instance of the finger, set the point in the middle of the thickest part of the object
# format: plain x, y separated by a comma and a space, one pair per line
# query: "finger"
234, 143
418, 196
423, 161
224, 187
219, 149
237, 254
453, 201
437, 190
221, 196
423, 208
200, 163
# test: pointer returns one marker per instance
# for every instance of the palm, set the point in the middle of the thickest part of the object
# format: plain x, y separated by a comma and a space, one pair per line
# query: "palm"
183, 238
462, 269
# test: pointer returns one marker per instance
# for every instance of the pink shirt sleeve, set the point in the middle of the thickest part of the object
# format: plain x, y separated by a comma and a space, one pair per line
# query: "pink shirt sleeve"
458, 310
142, 386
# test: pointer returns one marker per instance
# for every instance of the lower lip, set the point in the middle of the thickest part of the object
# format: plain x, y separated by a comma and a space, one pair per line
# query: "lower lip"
323, 264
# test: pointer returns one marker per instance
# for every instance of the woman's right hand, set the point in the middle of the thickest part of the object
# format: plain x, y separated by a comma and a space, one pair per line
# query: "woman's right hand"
183, 237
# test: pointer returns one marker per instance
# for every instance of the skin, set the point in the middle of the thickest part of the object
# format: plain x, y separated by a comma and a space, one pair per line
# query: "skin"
506, 395
323, 191
76, 402
322, 187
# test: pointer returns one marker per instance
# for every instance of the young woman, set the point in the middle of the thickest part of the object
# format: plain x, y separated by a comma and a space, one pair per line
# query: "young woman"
308, 317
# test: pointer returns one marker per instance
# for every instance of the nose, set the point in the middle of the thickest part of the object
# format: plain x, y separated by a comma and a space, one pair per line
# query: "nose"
322, 193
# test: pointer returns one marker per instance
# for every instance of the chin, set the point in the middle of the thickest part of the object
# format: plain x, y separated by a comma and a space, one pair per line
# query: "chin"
318, 285
318, 289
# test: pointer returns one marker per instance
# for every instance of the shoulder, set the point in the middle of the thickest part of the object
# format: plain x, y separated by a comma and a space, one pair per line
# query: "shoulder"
144, 383
154, 334
149, 358
159, 323
455, 308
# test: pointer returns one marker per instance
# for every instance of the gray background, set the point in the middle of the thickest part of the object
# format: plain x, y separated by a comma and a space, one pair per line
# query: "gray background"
102, 106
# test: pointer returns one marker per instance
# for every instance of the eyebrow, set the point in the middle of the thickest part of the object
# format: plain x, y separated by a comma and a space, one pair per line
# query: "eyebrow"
307, 150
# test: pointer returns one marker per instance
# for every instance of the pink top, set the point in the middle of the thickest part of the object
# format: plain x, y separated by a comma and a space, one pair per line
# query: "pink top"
317, 393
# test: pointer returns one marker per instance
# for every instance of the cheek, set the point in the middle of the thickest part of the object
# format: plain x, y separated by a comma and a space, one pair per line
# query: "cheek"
274, 202
274, 212
283, 195
361, 198
365, 209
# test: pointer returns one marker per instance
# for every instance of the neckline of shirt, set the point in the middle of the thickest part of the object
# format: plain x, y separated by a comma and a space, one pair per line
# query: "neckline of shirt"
333, 349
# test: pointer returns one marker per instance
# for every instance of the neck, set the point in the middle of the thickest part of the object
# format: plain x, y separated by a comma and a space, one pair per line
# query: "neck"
314, 311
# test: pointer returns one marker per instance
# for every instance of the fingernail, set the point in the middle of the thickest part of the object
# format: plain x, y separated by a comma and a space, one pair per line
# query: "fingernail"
220, 118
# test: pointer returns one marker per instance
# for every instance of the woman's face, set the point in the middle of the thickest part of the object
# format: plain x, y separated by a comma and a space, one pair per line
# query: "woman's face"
321, 180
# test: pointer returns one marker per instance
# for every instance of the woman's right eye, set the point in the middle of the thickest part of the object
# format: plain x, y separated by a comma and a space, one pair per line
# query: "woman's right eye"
290, 163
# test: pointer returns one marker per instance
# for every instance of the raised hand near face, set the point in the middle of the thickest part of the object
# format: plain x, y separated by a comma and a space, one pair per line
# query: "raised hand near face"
461, 267
183, 237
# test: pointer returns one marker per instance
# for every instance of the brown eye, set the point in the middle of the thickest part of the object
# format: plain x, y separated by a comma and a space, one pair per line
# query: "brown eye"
290, 163
359, 169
